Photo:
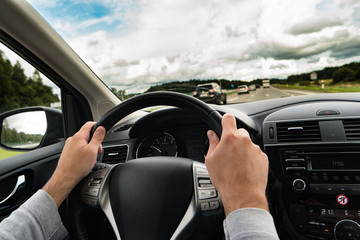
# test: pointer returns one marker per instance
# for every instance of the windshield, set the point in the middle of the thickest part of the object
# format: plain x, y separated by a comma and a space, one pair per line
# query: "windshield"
204, 87
283, 48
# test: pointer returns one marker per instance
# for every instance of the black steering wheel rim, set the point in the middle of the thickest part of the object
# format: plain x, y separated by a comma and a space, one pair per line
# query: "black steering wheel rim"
194, 105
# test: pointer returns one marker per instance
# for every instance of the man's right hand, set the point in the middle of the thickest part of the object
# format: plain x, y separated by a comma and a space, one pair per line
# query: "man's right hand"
238, 168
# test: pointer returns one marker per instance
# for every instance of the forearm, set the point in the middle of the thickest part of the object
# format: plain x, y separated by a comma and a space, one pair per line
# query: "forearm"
37, 218
59, 187
250, 223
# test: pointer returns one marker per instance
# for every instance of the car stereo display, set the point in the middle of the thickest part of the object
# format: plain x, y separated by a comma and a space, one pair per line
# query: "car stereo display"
334, 161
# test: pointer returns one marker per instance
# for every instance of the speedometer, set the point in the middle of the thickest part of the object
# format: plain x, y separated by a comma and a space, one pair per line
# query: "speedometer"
158, 144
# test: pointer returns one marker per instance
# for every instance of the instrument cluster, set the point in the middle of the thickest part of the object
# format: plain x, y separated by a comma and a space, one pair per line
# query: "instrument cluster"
190, 143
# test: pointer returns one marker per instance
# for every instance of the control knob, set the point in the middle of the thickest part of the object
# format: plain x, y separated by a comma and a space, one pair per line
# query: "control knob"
347, 230
299, 185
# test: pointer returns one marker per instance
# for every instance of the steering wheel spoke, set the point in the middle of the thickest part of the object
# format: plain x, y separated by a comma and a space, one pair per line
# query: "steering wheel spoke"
99, 186
206, 195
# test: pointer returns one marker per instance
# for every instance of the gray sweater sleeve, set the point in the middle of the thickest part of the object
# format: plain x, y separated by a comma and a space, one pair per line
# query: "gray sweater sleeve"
37, 218
250, 223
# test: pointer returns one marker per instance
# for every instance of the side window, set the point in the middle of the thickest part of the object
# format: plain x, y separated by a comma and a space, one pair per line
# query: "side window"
30, 107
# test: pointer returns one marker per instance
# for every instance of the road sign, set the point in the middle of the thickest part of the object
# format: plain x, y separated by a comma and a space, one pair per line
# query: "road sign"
313, 76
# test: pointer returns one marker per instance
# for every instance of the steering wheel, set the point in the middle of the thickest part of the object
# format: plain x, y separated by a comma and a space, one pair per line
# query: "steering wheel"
153, 197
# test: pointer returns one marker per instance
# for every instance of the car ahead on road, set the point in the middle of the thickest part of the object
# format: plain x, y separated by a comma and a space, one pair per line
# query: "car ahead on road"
151, 172
210, 93
243, 89
252, 87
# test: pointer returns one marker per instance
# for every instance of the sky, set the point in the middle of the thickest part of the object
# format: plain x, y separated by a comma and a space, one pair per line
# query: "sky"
28, 122
133, 44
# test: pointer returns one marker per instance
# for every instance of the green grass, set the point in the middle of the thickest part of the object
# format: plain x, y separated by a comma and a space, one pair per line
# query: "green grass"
327, 89
6, 154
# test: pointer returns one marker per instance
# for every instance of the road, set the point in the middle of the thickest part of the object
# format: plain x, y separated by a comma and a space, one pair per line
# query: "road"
264, 94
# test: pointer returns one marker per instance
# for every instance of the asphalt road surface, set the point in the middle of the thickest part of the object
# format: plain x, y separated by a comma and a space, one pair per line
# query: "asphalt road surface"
264, 94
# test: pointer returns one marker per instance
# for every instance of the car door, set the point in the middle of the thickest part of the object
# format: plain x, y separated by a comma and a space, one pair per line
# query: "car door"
23, 175
26, 167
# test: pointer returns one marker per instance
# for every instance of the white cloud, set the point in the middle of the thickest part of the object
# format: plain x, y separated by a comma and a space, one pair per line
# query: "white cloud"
163, 40
28, 122
314, 25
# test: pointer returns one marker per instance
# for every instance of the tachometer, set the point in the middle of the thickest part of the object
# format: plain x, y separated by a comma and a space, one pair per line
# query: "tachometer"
158, 144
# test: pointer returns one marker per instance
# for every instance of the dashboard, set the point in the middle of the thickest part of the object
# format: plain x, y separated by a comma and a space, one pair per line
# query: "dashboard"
313, 146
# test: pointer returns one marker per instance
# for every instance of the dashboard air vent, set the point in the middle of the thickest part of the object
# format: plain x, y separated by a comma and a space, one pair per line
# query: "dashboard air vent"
352, 129
298, 131
117, 154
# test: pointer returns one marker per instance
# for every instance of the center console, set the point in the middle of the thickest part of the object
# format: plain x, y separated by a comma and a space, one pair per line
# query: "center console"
315, 166
320, 187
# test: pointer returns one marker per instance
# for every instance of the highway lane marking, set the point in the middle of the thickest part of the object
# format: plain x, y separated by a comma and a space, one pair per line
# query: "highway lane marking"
280, 90
234, 98
301, 92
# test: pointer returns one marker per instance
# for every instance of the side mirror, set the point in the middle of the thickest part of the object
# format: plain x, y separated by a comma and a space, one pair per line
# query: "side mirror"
29, 128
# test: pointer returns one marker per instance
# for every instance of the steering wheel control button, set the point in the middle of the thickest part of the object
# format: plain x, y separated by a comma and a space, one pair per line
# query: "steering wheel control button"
299, 185
99, 166
206, 194
96, 181
214, 205
205, 183
93, 201
92, 191
86, 200
92, 186
205, 206
202, 171
207, 198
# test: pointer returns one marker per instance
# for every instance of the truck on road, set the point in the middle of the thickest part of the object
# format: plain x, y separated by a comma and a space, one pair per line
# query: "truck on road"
266, 83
